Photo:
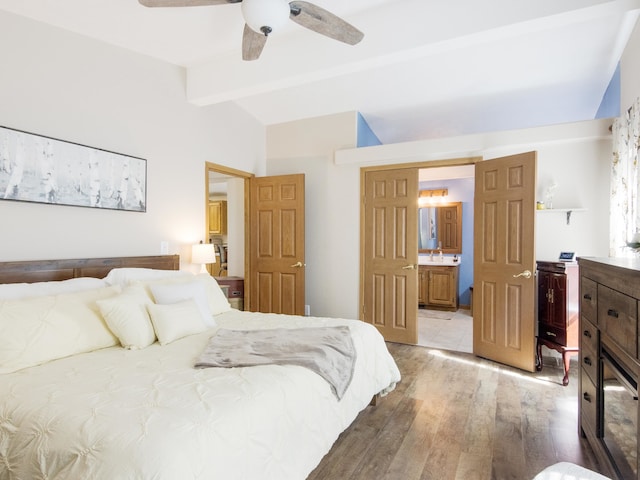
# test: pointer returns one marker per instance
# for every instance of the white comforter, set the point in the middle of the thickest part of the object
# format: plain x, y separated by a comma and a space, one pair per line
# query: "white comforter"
148, 414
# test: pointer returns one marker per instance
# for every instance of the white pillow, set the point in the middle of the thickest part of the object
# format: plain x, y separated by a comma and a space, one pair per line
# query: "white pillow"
169, 293
127, 317
12, 291
176, 320
40, 329
218, 301
126, 276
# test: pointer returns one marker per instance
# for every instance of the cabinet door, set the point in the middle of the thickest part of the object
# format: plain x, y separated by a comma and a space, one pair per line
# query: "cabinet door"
218, 217
423, 285
441, 291
552, 306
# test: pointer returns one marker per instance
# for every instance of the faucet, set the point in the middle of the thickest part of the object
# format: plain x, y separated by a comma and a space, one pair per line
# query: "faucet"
441, 257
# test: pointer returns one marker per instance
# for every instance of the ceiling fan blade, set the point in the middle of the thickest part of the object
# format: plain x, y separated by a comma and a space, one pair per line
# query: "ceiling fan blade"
324, 22
252, 43
184, 3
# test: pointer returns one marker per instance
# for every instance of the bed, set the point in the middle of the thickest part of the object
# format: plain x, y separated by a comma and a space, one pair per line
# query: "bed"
98, 410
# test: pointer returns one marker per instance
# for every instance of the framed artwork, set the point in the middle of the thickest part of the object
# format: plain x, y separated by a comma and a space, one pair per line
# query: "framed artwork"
35, 168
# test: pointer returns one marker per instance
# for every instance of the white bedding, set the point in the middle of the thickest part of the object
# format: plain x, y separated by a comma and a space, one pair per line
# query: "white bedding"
148, 414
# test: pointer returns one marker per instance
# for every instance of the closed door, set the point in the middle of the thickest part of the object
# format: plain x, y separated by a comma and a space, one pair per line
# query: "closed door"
504, 260
390, 260
276, 245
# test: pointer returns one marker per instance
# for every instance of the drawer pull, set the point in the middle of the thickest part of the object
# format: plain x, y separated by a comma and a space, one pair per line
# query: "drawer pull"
587, 333
587, 397
551, 334
587, 361
612, 313
587, 296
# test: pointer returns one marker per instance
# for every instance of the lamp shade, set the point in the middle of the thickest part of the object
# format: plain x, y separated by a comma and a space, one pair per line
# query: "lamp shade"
202, 254
265, 16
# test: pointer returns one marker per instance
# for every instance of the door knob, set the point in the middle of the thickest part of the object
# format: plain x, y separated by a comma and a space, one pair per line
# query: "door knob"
525, 274
298, 265
409, 267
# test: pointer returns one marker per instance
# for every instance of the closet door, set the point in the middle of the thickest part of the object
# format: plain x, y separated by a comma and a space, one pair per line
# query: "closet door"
276, 246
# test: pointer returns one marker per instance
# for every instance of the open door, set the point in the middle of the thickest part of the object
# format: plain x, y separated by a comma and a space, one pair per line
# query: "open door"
390, 230
504, 260
276, 245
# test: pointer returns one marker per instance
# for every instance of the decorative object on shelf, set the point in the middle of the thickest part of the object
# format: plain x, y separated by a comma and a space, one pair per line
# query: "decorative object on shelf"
35, 168
203, 254
549, 194
539, 205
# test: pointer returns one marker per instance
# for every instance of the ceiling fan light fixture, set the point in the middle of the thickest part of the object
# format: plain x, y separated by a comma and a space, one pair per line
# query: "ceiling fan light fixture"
265, 16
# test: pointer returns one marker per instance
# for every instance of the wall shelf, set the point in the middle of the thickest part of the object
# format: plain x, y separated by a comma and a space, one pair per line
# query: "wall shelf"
567, 211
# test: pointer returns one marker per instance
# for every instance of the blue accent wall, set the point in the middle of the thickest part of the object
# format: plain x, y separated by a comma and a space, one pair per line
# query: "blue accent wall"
610, 104
461, 190
366, 137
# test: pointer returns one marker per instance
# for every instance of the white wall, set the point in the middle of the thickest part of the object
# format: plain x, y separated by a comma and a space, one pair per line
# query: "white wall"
581, 172
65, 86
630, 70
331, 221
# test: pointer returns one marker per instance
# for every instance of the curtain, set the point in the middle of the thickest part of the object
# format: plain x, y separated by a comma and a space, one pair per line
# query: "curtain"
625, 183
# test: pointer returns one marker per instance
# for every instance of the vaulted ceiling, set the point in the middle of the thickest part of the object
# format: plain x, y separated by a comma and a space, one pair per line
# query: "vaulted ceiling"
425, 69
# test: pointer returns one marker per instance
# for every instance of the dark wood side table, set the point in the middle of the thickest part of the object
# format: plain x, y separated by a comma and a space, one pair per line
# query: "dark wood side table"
558, 305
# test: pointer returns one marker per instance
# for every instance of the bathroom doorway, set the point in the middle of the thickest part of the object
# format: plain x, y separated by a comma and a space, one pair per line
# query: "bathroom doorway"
439, 328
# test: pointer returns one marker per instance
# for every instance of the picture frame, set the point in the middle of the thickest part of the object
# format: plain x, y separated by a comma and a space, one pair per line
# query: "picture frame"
41, 169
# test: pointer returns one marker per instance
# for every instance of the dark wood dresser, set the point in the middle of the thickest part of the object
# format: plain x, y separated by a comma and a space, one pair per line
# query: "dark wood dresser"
557, 311
609, 364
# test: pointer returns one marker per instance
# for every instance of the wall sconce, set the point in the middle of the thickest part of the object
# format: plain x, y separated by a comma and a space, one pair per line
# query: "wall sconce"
432, 196
203, 254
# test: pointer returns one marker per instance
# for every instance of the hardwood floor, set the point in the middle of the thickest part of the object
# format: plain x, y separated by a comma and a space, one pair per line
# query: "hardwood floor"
456, 416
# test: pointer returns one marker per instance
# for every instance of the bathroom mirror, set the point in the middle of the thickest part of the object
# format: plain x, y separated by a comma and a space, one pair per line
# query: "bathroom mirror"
440, 228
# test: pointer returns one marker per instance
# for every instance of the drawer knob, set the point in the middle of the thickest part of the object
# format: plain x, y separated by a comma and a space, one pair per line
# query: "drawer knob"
587, 397
587, 333
587, 361
612, 313
587, 296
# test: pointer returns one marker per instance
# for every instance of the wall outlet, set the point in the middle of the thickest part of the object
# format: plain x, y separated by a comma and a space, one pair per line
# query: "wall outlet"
307, 310
164, 247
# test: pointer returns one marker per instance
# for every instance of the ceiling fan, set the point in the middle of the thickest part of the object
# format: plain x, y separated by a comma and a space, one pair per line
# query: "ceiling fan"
262, 17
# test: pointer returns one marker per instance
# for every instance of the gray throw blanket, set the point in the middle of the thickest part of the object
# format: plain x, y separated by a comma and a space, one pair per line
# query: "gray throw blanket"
328, 351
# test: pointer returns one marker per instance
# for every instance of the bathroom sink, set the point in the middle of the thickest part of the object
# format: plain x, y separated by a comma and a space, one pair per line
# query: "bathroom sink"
446, 260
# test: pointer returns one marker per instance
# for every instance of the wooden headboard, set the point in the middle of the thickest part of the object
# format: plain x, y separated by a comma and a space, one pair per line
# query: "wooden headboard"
48, 270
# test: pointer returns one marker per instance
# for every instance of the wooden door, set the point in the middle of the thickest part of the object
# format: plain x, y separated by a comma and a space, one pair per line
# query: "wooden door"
449, 227
276, 244
504, 260
390, 231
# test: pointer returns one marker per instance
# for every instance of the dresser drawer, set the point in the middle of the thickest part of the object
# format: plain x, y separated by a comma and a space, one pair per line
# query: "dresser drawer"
589, 403
617, 318
589, 363
588, 335
589, 299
